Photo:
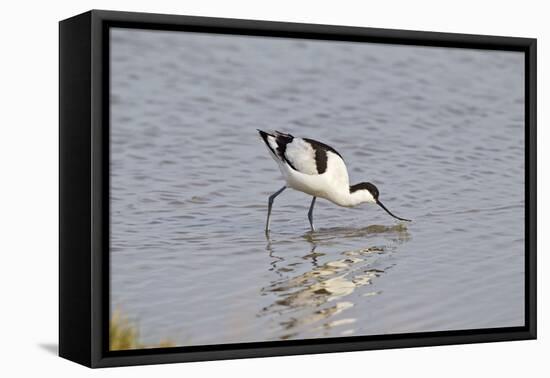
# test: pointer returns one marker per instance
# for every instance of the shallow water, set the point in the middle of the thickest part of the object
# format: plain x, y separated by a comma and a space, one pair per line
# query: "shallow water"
439, 132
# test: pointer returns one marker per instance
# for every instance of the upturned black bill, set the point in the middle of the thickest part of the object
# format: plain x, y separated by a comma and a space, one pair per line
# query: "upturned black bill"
389, 212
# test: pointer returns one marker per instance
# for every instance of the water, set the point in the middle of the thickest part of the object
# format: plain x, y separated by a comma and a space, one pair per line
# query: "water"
439, 131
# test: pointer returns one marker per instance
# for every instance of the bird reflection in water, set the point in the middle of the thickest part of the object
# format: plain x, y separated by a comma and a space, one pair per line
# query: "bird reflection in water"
310, 302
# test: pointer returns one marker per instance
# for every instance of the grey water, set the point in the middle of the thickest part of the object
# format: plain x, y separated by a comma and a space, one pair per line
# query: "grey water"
439, 131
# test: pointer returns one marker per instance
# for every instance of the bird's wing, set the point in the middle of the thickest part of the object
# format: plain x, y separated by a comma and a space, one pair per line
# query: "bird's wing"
301, 156
309, 156
304, 155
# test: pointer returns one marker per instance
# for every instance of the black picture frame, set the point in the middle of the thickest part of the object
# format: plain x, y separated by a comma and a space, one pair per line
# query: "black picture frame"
84, 184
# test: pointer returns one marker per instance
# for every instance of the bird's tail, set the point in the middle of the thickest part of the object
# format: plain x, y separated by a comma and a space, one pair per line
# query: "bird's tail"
276, 142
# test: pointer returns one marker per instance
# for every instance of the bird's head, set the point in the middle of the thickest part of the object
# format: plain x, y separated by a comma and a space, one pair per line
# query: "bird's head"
369, 193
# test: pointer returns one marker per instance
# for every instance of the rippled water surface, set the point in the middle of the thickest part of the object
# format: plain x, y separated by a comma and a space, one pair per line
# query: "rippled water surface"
439, 131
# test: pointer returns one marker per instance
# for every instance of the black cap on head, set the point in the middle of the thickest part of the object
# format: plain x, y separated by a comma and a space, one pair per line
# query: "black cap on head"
373, 190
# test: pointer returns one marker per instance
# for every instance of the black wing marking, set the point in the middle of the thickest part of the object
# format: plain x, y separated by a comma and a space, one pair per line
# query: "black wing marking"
264, 136
281, 139
321, 150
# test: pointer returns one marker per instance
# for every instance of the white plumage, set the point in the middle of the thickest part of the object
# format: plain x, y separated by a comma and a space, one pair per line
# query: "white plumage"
302, 156
317, 169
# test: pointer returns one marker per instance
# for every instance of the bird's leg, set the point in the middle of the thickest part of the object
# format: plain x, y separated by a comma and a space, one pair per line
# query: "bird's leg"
310, 214
270, 203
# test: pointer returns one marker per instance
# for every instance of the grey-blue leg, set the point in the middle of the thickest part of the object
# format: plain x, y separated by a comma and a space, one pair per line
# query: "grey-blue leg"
270, 203
310, 214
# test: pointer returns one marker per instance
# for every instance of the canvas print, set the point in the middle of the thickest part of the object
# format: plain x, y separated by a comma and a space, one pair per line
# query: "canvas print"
267, 189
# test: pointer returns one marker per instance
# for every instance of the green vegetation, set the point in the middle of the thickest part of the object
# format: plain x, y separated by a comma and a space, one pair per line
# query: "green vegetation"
123, 335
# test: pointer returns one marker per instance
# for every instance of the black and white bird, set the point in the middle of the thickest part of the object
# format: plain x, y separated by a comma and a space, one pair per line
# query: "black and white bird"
317, 169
